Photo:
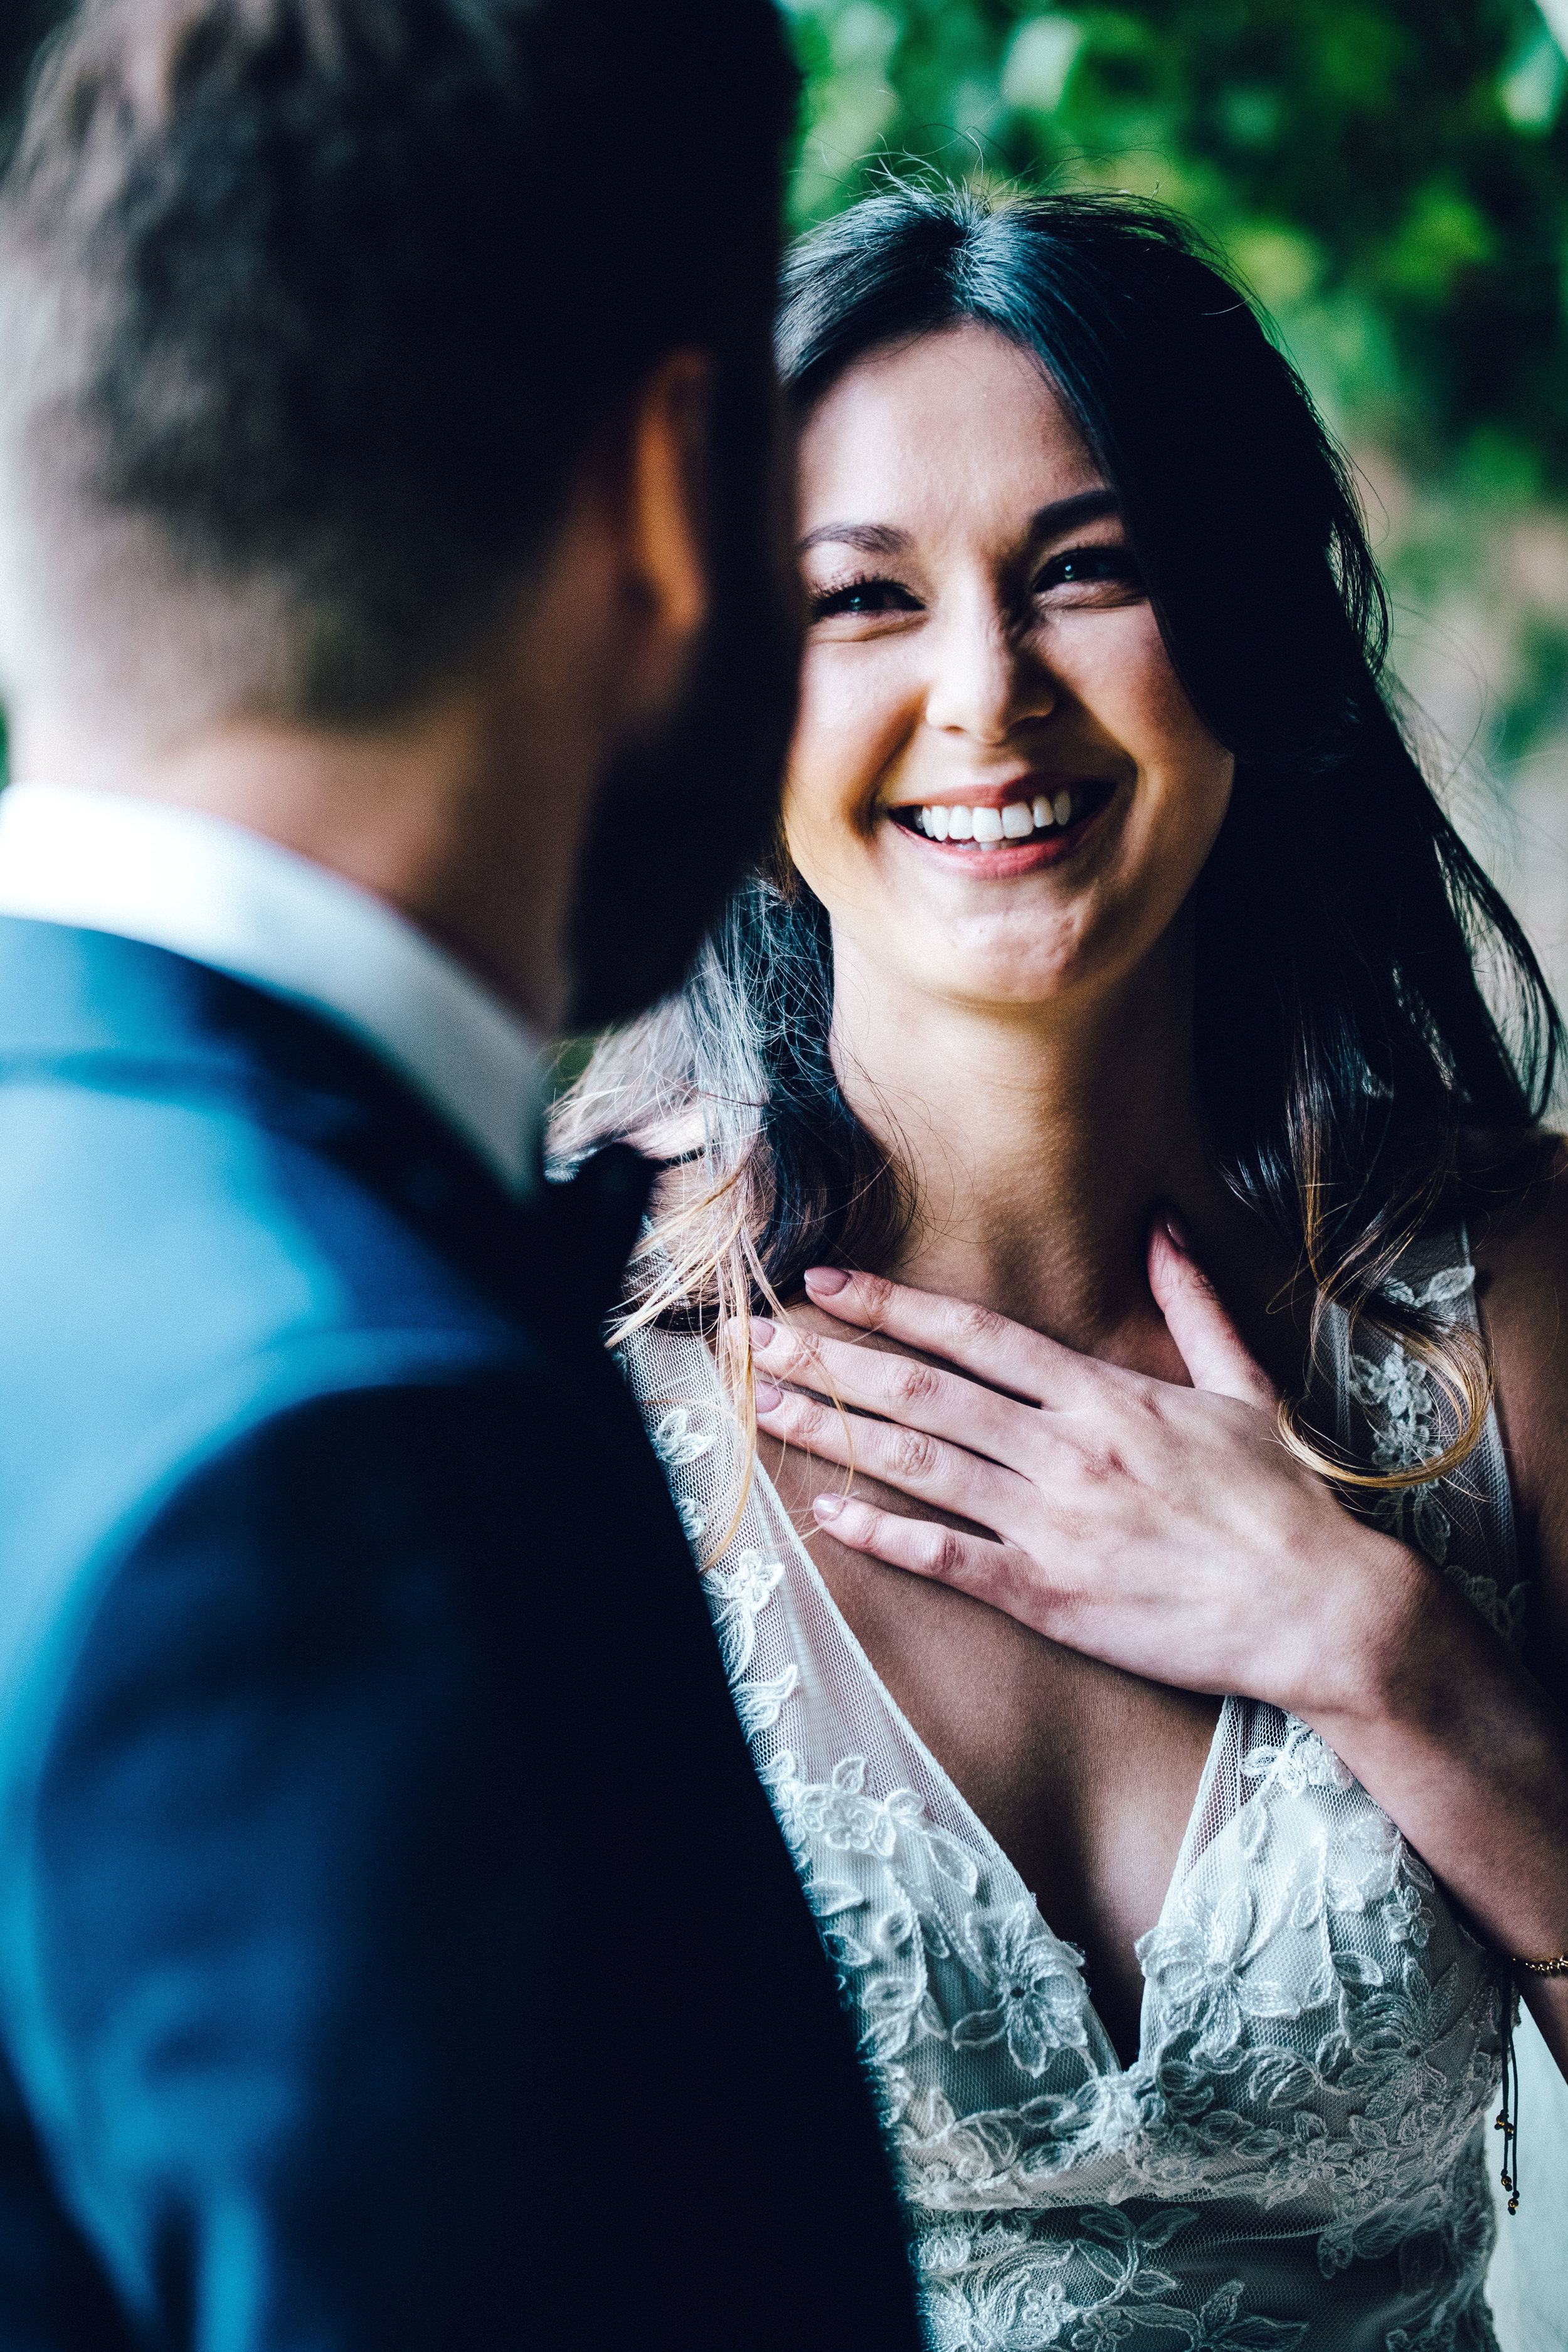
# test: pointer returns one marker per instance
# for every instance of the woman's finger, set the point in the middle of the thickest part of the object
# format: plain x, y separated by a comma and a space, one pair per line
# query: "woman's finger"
919, 1395
1004, 1354
991, 1572
1212, 1348
915, 1463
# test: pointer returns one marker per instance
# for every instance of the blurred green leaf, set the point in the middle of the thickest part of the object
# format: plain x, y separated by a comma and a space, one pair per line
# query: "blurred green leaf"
1444, 233
1038, 59
1390, 176
1531, 91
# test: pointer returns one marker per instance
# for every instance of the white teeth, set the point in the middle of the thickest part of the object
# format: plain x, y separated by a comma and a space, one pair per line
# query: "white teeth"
1017, 821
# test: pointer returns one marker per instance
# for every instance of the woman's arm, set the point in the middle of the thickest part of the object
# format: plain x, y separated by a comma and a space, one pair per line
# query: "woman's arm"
1167, 1531
1522, 1262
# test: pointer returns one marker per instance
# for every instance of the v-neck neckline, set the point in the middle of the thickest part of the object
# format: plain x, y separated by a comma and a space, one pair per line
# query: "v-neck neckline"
1001, 1862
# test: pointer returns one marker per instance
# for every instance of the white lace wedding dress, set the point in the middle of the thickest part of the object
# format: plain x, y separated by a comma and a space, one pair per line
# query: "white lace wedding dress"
1298, 2154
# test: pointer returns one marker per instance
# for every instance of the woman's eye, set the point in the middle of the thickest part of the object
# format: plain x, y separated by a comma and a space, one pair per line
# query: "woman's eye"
1091, 567
862, 599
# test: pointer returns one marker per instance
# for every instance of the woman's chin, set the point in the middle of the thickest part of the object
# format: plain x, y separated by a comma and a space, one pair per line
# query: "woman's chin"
1009, 978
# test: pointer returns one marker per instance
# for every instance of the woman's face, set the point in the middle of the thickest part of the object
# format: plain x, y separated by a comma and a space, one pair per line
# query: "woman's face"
998, 787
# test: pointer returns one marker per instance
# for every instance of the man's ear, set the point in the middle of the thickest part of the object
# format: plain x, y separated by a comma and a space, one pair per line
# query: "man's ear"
665, 514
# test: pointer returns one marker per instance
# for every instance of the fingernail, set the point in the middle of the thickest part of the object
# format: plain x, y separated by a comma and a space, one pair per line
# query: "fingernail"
769, 1399
762, 1332
1180, 1237
828, 1507
829, 1279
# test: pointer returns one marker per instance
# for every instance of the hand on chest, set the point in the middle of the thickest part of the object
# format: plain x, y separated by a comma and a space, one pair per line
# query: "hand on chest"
1084, 1776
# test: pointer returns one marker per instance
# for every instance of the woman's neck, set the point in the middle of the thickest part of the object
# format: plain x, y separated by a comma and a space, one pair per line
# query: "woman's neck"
1040, 1141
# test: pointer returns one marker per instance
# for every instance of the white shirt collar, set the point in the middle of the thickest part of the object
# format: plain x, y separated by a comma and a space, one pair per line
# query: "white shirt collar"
182, 879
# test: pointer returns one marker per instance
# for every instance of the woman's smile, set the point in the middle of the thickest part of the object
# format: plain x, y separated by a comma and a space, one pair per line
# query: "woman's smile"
1022, 828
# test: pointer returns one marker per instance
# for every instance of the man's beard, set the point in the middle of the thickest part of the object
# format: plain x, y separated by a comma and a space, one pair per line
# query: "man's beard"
683, 815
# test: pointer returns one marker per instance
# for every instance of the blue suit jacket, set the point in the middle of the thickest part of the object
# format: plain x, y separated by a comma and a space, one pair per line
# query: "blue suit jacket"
395, 1947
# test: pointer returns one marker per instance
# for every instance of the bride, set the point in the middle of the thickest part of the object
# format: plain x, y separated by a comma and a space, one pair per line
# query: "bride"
1177, 1775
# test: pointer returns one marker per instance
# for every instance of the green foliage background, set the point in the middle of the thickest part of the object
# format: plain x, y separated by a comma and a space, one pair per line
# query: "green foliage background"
1390, 177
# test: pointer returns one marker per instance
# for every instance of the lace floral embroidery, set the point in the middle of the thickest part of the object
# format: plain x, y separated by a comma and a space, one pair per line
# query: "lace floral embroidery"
734, 1597
1359, 2123
1106, 2287
1397, 1395
1038, 2007
676, 1444
1303, 1761
1320, 2035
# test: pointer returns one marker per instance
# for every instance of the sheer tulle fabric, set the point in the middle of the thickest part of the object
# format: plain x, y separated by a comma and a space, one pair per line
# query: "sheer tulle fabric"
1298, 2153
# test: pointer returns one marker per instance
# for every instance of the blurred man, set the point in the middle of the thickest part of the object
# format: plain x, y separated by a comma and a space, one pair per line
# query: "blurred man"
395, 1947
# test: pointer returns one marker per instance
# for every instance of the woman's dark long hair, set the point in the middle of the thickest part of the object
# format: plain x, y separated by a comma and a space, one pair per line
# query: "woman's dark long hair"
1343, 1042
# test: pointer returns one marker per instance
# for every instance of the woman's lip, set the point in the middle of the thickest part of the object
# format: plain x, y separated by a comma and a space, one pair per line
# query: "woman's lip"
1006, 857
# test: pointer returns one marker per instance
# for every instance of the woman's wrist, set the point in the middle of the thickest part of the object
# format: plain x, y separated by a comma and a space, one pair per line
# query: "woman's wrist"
1422, 1636
1376, 1638
1446, 1727
1404, 1664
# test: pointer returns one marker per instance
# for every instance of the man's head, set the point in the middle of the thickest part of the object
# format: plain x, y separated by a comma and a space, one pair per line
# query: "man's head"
320, 321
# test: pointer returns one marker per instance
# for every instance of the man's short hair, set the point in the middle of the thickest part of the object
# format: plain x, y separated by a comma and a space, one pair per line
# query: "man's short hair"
307, 308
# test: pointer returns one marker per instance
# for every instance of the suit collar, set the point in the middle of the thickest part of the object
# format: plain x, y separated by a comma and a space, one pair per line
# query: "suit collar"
117, 1014
228, 897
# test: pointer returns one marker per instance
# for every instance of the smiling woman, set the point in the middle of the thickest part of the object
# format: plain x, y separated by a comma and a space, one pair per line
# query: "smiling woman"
1340, 1040
1172, 1826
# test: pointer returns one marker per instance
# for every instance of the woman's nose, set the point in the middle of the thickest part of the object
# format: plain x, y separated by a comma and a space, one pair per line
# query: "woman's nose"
985, 682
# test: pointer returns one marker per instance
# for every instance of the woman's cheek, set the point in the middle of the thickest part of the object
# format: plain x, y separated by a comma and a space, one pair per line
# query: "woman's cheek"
856, 717
819, 808
1142, 703
1164, 715
1115, 666
802, 830
1189, 803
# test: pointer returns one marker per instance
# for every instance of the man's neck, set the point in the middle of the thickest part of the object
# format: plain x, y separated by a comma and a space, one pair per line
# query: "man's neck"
423, 814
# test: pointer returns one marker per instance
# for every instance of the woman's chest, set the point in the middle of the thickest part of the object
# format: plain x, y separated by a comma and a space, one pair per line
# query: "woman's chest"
1085, 1777
1302, 2018
1317, 2028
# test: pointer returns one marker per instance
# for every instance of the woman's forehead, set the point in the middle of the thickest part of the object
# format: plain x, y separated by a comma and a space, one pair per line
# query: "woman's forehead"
957, 419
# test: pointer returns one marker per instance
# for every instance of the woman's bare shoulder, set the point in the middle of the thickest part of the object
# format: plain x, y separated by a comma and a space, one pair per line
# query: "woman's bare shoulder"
1517, 1189
1516, 1202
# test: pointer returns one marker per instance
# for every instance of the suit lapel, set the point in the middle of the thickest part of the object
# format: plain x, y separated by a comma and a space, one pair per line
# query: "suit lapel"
91, 1009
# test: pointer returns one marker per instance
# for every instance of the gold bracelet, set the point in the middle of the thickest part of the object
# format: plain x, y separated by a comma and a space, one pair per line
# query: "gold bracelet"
1555, 1967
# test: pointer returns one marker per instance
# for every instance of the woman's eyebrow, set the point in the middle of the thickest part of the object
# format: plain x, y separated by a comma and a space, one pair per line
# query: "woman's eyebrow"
870, 538
886, 539
1066, 514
